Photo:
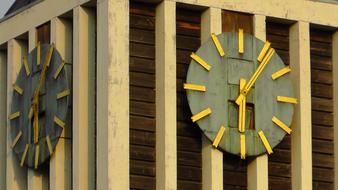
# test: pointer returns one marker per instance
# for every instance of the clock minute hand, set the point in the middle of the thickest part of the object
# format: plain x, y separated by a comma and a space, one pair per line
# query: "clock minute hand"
36, 93
255, 76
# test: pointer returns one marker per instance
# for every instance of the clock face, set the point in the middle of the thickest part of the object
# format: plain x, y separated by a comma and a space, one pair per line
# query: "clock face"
240, 94
39, 106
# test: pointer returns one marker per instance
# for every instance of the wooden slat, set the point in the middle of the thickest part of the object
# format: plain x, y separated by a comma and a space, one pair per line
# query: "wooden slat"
279, 183
320, 62
321, 90
322, 132
322, 118
189, 159
43, 33
323, 160
232, 21
322, 104
320, 76
323, 174
142, 96
322, 146
321, 49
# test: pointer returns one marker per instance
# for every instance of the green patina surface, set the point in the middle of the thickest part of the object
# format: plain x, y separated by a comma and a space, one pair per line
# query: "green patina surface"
222, 84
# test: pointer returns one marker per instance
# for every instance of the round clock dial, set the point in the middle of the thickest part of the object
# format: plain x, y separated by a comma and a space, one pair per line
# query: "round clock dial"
39, 106
240, 94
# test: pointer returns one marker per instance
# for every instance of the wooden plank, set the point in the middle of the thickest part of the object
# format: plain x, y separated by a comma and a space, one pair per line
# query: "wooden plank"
142, 36
276, 28
323, 174
142, 80
322, 146
142, 109
321, 90
183, 184
43, 33
322, 104
142, 50
320, 76
137, 64
189, 173
187, 43
322, 118
142, 94
322, 185
140, 8
323, 160
143, 138
188, 29
280, 156
142, 182
232, 21
142, 22
319, 35
279, 169
142, 153
142, 168
188, 144
320, 62
279, 183
322, 132
321, 49
278, 42
234, 178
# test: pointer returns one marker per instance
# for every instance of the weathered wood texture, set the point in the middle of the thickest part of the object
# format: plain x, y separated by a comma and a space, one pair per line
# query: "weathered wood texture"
189, 142
142, 96
280, 161
322, 108
43, 33
234, 169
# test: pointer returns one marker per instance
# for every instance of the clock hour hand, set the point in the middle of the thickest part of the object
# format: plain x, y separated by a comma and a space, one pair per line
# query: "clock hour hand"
255, 76
36, 94
241, 110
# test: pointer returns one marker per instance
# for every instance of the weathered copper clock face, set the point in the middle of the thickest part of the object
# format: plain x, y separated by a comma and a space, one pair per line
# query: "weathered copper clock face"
39, 106
240, 94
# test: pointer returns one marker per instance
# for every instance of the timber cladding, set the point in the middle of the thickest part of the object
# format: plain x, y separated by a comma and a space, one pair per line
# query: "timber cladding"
189, 143
142, 96
279, 165
322, 109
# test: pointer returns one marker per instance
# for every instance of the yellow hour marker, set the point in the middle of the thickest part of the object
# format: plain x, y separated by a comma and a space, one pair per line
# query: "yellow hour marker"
38, 50
280, 73
24, 155
287, 99
240, 41
25, 63
243, 148
200, 61
17, 138
281, 125
49, 55
63, 94
263, 51
37, 153
18, 89
59, 69
265, 142
30, 113
218, 137
217, 44
49, 144
197, 87
59, 122
201, 114
14, 115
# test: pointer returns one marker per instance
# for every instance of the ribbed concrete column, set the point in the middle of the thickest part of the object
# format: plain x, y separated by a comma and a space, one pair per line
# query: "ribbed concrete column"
258, 169
84, 99
3, 117
212, 159
301, 142
335, 103
112, 95
35, 179
166, 150
60, 163
16, 175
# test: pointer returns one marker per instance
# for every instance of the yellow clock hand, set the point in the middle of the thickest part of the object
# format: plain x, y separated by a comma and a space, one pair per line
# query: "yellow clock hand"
36, 94
242, 107
255, 76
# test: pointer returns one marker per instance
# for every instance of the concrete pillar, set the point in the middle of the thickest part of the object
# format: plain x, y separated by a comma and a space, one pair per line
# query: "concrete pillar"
36, 180
257, 172
212, 159
166, 150
301, 141
16, 176
3, 117
112, 156
335, 103
84, 99
60, 163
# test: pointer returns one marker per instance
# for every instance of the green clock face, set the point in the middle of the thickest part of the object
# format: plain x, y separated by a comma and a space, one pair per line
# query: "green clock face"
39, 106
240, 94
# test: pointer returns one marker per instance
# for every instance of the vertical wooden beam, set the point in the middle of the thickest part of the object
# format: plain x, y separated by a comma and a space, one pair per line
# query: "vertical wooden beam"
60, 163
16, 175
3, 117
35, 179
112, 156
257, 173
212, 159
84, 99
335, 103
166, 154
301, 142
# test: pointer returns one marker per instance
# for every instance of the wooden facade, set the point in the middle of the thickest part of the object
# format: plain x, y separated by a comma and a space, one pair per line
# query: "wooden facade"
122, 91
